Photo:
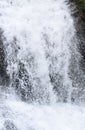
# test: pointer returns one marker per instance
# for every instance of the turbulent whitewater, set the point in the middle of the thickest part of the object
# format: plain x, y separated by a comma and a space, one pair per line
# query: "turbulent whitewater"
37, 39
39, 67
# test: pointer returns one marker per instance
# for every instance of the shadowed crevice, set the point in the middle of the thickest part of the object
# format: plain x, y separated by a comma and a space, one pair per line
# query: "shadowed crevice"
4, 78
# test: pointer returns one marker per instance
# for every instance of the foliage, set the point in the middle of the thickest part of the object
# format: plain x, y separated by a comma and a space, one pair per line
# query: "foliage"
81, 3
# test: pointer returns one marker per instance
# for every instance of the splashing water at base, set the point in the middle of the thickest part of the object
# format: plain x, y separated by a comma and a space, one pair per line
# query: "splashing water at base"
38, 36
17, 115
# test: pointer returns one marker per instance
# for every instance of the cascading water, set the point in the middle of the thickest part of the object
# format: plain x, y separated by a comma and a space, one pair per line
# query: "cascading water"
37, 43
39, 53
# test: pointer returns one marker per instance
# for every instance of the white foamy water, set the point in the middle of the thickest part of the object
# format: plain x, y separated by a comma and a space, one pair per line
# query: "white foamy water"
38, 36
17, 115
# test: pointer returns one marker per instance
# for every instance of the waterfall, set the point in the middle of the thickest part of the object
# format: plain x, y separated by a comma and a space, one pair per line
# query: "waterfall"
37, 39
39, 63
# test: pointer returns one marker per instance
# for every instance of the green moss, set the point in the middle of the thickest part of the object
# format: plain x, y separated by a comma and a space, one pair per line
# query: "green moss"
81, 3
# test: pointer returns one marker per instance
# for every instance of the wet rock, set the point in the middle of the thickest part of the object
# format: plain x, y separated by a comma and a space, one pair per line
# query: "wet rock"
77, 62
4, 78
22, 83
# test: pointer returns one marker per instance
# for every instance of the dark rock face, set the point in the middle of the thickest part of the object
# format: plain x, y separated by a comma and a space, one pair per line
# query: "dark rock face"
79, 21
22, 84
77, 65
3, 64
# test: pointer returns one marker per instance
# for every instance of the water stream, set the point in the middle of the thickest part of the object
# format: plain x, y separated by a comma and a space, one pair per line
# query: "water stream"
39, 62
